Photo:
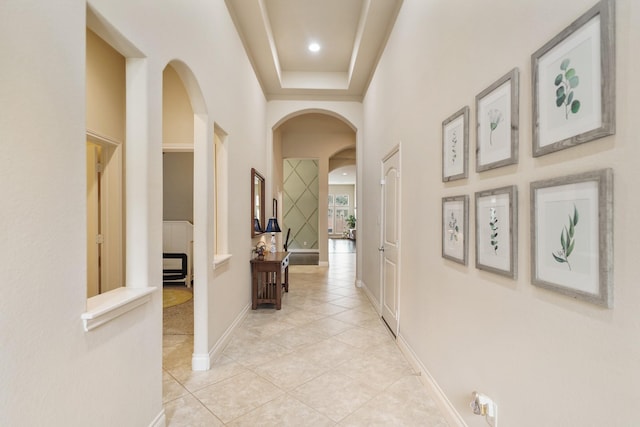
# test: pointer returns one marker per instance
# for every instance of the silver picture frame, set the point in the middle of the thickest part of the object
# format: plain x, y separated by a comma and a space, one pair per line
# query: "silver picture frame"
497, 231
455, 228
572, 236
455, 146
497, 122
574, 83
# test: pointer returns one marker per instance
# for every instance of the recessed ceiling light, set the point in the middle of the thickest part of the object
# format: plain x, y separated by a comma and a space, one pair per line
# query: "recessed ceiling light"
344, 173
314, 47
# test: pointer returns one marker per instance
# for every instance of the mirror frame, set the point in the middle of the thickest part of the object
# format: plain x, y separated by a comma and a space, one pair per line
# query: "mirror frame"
257, 178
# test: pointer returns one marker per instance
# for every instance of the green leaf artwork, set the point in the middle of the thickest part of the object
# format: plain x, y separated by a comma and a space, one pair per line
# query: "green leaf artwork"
454, 146
495, 116
565, 82
493, 225
567, 240
453, 228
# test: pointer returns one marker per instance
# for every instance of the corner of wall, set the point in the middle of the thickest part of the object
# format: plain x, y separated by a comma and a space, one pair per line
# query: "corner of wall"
203, 362
374, 301
446, 407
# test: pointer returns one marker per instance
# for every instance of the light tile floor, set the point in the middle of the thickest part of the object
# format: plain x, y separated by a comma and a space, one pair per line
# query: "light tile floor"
325, 359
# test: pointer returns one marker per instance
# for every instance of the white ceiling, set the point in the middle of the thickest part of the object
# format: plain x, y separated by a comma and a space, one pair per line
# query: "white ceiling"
276, 35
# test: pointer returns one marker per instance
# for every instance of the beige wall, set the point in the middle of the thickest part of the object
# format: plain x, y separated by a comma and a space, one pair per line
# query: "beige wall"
177, 186
48, 363
545, 358
177, 114
105, 89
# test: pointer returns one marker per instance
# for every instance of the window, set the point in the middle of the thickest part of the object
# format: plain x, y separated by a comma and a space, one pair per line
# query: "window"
338, 213
105, 141
116, 111
330, 219
220, 218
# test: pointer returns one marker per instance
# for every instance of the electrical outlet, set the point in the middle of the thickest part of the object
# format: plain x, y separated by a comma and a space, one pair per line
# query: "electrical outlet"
483, 405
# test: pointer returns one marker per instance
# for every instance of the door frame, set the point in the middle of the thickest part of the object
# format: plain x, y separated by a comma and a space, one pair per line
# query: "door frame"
112, 269
391, 153
94, 178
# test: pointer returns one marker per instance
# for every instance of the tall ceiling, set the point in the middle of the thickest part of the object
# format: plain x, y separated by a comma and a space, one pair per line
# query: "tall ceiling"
351, 33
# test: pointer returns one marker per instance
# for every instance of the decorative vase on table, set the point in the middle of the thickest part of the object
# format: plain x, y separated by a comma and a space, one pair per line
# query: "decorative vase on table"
261, 247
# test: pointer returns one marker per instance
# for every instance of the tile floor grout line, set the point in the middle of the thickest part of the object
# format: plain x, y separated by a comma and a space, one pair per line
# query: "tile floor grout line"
192, 394
378, 361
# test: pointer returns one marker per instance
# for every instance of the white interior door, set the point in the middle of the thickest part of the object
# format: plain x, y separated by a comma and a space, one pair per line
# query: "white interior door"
390, 247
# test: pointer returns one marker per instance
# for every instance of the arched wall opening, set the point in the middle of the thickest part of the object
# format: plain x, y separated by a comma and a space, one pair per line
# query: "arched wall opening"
303, 144
342, 210
105, 140
187, 133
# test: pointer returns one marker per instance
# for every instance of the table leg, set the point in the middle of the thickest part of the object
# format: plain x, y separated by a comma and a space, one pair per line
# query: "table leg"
286, 279
278, 289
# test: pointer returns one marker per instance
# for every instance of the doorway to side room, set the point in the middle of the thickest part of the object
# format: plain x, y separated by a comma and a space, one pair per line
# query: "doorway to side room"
178, 210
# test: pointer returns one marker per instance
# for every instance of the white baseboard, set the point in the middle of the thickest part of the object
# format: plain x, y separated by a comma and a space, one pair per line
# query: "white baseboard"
202, 362
323, 263
219, 346
160, 420
374, 301
448, 410
358, 283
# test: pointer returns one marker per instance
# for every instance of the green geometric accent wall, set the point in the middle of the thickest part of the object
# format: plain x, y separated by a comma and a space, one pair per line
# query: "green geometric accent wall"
300, 203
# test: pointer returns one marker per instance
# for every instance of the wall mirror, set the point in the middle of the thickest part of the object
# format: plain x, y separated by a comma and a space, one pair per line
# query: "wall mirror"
257, 203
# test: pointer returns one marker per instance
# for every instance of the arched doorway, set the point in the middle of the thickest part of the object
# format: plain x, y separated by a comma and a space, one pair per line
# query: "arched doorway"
304, 145
186, 134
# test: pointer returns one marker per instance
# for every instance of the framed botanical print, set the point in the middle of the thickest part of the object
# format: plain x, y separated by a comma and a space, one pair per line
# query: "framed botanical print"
455, 228
497, 231
574, 83
572, 235
455, 146
497, 118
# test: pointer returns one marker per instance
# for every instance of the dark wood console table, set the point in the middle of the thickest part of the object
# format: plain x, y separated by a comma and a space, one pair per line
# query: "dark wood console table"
266, 279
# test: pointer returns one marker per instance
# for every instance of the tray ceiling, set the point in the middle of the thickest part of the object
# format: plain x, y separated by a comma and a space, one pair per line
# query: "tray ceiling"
351, 33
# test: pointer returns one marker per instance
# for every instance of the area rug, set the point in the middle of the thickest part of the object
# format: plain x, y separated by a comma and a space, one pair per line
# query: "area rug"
175, 296
303, 258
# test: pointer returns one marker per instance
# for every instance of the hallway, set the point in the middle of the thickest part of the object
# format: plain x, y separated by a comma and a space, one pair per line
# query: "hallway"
325, 359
